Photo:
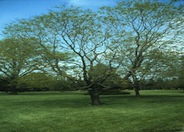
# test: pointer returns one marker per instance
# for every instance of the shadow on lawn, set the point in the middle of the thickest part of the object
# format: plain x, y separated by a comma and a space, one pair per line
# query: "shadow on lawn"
144, 98
107, 100
54, 103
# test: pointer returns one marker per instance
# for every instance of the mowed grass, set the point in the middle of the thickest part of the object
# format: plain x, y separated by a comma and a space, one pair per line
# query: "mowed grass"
155, 111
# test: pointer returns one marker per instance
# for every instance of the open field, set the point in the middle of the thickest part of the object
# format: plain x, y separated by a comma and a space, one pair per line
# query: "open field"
155, 111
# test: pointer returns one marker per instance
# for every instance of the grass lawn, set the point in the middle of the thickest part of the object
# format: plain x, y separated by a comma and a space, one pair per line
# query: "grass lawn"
155, 111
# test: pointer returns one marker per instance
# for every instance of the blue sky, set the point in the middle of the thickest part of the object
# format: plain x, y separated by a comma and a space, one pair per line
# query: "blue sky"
11, 10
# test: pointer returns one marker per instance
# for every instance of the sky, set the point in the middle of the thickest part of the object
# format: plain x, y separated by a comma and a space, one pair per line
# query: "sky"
11, 10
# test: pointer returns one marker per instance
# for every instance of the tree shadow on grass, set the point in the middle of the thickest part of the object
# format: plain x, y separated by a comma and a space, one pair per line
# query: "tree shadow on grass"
107, 100
54, 103
143, 98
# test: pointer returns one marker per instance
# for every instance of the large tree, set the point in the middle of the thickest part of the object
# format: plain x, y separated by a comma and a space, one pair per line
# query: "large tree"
64, 31
146, 27
82, 32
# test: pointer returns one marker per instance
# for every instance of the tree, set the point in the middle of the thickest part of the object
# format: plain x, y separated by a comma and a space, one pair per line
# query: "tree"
64, 31
54, 58
146, 26
16, 60
81, 32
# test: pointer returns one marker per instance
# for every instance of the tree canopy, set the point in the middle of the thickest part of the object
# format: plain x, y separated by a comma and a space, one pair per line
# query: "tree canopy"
132, 41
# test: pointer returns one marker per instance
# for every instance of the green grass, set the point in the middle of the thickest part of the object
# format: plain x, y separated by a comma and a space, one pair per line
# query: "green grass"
155, 111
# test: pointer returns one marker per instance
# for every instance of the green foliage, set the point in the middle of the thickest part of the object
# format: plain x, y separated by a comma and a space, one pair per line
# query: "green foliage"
130, 37
100, 71
180, 71
61, 83
106, 77
145, 42
17, 59
36, 81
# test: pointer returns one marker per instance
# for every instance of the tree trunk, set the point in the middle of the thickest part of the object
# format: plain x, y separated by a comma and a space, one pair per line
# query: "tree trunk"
137, 92
13, 86
137, 88
95, 97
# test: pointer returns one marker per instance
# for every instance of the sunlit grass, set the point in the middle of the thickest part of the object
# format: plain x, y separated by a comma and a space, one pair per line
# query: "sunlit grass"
155, 111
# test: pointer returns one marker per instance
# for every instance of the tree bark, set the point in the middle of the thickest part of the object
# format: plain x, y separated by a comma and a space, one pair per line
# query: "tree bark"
95, 96
13, 86
137, 88
137, 92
